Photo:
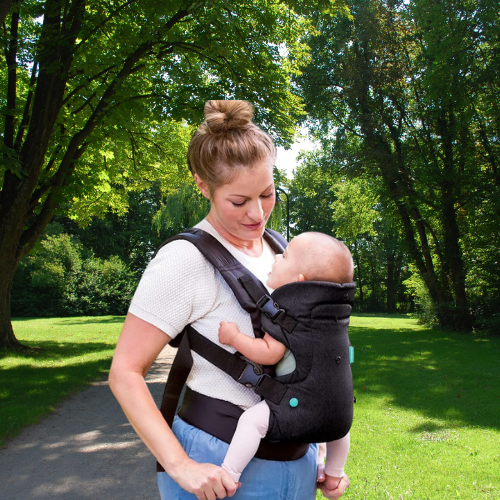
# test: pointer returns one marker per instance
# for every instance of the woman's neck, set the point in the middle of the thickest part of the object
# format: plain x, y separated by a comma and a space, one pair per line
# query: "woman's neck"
252, 248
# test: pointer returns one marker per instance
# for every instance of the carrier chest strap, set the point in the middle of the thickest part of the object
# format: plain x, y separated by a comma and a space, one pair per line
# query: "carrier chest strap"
266, 305
237, 367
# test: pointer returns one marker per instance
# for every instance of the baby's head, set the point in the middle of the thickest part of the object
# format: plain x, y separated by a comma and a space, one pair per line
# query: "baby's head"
312, 257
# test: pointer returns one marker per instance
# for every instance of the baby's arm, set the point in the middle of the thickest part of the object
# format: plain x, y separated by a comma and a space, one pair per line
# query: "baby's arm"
265, 351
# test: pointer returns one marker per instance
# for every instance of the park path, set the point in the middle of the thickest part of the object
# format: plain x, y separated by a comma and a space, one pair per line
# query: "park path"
86, 449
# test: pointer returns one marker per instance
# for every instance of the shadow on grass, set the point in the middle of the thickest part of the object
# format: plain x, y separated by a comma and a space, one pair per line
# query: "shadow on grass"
449, 377
51, 350
27, 392
76, 320
86, 449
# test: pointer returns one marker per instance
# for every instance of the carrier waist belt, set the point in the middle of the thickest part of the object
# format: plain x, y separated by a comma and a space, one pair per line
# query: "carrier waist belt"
220, 418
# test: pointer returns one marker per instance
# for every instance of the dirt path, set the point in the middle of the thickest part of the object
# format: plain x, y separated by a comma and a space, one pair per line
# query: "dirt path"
86, 449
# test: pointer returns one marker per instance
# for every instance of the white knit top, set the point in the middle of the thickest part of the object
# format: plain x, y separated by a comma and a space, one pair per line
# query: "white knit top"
180, 287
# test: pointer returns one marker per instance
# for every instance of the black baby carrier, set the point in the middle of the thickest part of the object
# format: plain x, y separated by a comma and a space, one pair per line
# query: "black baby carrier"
312, 404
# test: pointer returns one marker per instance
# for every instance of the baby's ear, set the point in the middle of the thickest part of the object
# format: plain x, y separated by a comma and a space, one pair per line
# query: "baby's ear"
301, 277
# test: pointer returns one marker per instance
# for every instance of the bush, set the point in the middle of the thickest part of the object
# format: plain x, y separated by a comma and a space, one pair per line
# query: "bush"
61, 278
104, 287
415, 286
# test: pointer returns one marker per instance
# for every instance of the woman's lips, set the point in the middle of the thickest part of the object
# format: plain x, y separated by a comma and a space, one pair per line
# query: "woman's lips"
253, 226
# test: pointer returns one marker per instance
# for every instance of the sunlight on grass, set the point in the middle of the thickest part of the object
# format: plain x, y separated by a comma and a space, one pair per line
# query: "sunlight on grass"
426, 422
67, 355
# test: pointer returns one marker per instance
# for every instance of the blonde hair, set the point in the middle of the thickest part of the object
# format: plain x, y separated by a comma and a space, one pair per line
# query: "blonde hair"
226, 142
325, 258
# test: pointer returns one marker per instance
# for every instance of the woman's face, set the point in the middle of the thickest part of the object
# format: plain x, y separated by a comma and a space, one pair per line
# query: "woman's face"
240, 209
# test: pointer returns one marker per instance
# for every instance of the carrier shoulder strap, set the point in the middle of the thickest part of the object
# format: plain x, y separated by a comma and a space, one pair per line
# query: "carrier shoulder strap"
233, 364
230, 268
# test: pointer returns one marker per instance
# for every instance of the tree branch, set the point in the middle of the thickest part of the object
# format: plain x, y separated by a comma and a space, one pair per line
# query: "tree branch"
27, 110
80, 87
11, 57
105, 21
343, 123
31, 235
77, 145
84, 105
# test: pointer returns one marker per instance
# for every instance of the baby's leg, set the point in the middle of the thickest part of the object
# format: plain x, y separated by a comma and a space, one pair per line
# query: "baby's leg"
336, 456
252, 427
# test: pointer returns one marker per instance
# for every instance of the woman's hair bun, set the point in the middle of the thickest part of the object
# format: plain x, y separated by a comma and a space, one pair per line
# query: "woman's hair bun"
222, 116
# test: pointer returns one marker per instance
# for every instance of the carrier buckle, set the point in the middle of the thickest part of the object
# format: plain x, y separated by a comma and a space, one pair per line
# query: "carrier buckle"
268, 307
251, 376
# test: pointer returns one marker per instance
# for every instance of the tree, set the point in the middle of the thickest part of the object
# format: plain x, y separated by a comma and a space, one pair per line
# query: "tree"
130, 236
311, 196
326, 200
410, 85
93, 94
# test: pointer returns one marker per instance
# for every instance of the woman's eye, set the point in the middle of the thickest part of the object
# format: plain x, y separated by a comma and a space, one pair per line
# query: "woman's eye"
238, 204
267, 195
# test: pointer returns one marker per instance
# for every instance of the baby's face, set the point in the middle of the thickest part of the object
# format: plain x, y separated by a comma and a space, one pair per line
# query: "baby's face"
286, 267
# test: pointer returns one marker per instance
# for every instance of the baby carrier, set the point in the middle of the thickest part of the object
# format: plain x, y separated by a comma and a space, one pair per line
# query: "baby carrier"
310, 319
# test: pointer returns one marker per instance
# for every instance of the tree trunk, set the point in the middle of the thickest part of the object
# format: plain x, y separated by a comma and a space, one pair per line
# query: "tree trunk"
7, 338
459, 317
359, 282
391, 282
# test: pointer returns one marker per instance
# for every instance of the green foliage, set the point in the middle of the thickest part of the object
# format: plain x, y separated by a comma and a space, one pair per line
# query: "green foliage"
401, 94
99, 99
129, 236
311, 195
183, 208
61, 278
325, 199
149, 156
416, 288
353, 209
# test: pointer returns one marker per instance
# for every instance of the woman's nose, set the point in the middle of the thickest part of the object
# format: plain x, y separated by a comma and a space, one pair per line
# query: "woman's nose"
255, 211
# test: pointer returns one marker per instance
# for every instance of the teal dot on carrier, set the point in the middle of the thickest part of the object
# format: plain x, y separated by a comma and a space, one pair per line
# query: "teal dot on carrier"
294, 402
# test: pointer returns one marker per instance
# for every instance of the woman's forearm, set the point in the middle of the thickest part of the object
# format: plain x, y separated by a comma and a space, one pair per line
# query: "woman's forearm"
137, 348
132, 393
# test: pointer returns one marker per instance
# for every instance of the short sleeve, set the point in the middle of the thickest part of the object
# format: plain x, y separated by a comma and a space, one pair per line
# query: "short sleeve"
177, 288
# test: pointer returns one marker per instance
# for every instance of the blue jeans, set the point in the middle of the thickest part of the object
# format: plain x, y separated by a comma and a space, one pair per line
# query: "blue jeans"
261, 479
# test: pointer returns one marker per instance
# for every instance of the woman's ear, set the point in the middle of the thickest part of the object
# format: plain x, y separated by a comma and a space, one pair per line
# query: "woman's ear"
203, 186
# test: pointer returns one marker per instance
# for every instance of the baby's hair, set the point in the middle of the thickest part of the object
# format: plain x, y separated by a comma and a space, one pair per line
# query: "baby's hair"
226, 142
325, 258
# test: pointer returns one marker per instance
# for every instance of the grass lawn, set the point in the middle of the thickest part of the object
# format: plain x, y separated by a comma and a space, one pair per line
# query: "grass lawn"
427, 418
73, 353
426, 422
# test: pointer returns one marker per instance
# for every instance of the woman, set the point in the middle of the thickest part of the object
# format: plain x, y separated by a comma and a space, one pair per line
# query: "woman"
231, 160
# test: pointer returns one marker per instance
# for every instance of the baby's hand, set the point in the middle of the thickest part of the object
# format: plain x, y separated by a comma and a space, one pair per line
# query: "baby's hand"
227, 332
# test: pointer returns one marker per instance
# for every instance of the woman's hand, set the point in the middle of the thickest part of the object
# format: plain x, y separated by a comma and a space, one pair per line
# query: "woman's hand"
206, 481
331, 487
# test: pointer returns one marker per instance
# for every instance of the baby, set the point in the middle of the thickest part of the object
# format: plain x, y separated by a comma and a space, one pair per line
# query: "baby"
313, 257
